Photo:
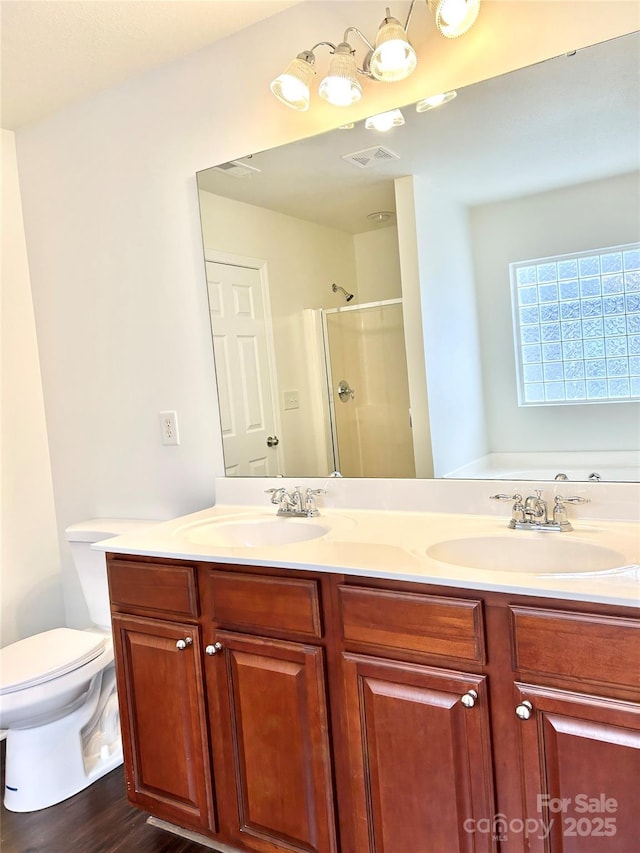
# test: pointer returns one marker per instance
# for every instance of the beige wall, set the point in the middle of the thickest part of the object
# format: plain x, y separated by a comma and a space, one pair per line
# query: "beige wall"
378, 265
30, 588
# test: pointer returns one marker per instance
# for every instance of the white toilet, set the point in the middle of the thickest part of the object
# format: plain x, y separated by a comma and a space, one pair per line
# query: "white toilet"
58, 692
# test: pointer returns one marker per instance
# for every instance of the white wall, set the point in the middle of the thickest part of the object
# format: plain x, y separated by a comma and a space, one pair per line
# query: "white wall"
30, 580
588, 216
450, 328
111, 221
303, 259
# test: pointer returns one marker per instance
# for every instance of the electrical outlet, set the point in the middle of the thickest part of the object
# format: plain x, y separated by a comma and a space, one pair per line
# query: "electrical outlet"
169, 428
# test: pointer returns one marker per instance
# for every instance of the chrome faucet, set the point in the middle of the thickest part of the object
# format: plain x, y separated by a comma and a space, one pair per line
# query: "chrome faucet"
295, 504
535, 509
532, 513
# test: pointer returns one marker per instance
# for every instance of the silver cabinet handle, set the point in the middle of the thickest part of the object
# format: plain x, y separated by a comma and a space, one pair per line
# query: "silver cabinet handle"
214, 649
524, 710
181, 645
469, 699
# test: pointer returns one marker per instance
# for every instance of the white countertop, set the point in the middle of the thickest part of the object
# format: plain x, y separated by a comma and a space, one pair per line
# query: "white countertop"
393, 545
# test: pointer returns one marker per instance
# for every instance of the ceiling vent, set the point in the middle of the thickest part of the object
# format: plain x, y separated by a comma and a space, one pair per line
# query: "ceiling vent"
236, 169
370, 157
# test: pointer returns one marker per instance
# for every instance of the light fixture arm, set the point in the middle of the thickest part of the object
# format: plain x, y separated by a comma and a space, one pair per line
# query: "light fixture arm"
409, 13
320, 43
358, 33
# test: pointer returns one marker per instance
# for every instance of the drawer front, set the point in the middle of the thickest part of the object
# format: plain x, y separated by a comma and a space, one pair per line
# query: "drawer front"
153, 588
264, 603
583, 646
413, 622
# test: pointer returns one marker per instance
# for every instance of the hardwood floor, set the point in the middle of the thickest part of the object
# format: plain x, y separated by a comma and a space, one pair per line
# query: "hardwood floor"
97, 820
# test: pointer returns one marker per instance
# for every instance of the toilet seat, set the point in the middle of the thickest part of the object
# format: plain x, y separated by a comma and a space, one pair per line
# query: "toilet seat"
46, 656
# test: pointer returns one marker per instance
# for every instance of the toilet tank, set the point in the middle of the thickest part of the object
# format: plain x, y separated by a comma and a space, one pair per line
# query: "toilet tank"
91, 565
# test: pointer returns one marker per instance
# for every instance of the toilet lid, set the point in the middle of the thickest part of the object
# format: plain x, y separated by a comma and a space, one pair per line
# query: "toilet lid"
45, 656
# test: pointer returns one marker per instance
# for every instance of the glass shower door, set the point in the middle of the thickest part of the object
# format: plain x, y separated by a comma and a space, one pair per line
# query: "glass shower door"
369, 390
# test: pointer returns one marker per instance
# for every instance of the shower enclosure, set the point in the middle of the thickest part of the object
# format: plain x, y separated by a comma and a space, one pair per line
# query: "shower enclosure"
368, 390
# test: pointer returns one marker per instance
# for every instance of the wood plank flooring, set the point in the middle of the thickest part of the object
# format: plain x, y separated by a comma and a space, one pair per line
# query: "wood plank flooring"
97, 820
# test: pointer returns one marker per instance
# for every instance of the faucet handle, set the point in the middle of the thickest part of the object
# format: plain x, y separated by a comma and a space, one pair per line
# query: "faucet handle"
500, 497
574, 499
310, 501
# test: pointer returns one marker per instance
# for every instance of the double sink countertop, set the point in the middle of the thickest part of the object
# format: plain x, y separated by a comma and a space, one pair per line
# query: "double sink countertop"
597, 561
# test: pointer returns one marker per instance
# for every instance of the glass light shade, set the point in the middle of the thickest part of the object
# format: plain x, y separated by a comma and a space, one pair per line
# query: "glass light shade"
340, 87
393, 58
384, 121
292, 86
454, 17
435, 101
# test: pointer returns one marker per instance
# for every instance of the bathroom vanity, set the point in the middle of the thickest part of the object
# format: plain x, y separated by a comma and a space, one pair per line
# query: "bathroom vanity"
276, 700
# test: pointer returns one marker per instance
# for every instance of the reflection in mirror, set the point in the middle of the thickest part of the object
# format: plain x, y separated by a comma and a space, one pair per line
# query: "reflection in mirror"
419, 226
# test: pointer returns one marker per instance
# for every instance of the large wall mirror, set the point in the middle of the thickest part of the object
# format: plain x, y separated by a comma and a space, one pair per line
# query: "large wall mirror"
366, 313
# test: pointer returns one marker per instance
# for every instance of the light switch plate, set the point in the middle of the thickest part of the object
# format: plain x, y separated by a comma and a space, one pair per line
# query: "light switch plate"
291, 400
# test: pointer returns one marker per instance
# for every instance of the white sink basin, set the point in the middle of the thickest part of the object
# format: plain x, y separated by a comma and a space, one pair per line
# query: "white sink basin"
252, 533
533, 553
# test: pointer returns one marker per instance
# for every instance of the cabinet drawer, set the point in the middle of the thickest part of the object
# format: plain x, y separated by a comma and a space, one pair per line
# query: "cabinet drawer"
154, 588
264, 603
413, 622
576, 645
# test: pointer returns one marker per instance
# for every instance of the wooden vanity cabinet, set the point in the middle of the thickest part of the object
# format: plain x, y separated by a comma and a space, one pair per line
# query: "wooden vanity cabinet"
266, 683
342, 714
419, 743
162, 709
579, 728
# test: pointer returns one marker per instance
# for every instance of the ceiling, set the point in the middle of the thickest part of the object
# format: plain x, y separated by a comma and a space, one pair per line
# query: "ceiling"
561, 122
55, 52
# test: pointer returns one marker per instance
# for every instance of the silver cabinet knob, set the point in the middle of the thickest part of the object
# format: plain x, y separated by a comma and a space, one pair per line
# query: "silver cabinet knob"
524, 710
181, 645
214, 649
469, 699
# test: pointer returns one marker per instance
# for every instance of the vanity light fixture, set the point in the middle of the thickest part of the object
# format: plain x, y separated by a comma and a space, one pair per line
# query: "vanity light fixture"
390, 59
454, 17
384, 121
435, 101
341, 87
393, 58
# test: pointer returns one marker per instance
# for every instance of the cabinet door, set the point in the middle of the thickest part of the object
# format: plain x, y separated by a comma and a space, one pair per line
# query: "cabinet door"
420, 759
163, 719
581, 771
271, 730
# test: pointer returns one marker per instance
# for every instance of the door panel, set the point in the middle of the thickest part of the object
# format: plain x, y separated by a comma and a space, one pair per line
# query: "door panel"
163, 720
580, 760
245, 392
420, 760
273, 729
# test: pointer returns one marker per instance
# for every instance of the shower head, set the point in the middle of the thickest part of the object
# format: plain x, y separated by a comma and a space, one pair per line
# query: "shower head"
336, 287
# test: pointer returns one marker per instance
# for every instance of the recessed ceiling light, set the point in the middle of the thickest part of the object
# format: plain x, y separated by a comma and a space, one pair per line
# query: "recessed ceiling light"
381, 215
384, 121
435, 101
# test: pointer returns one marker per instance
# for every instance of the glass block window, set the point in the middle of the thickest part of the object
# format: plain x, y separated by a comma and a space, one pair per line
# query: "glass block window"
577, 327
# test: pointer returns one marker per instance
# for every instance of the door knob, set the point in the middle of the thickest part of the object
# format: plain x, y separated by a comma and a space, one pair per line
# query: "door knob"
469, 699
273, 441
524, 709
181, 645
214, 649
